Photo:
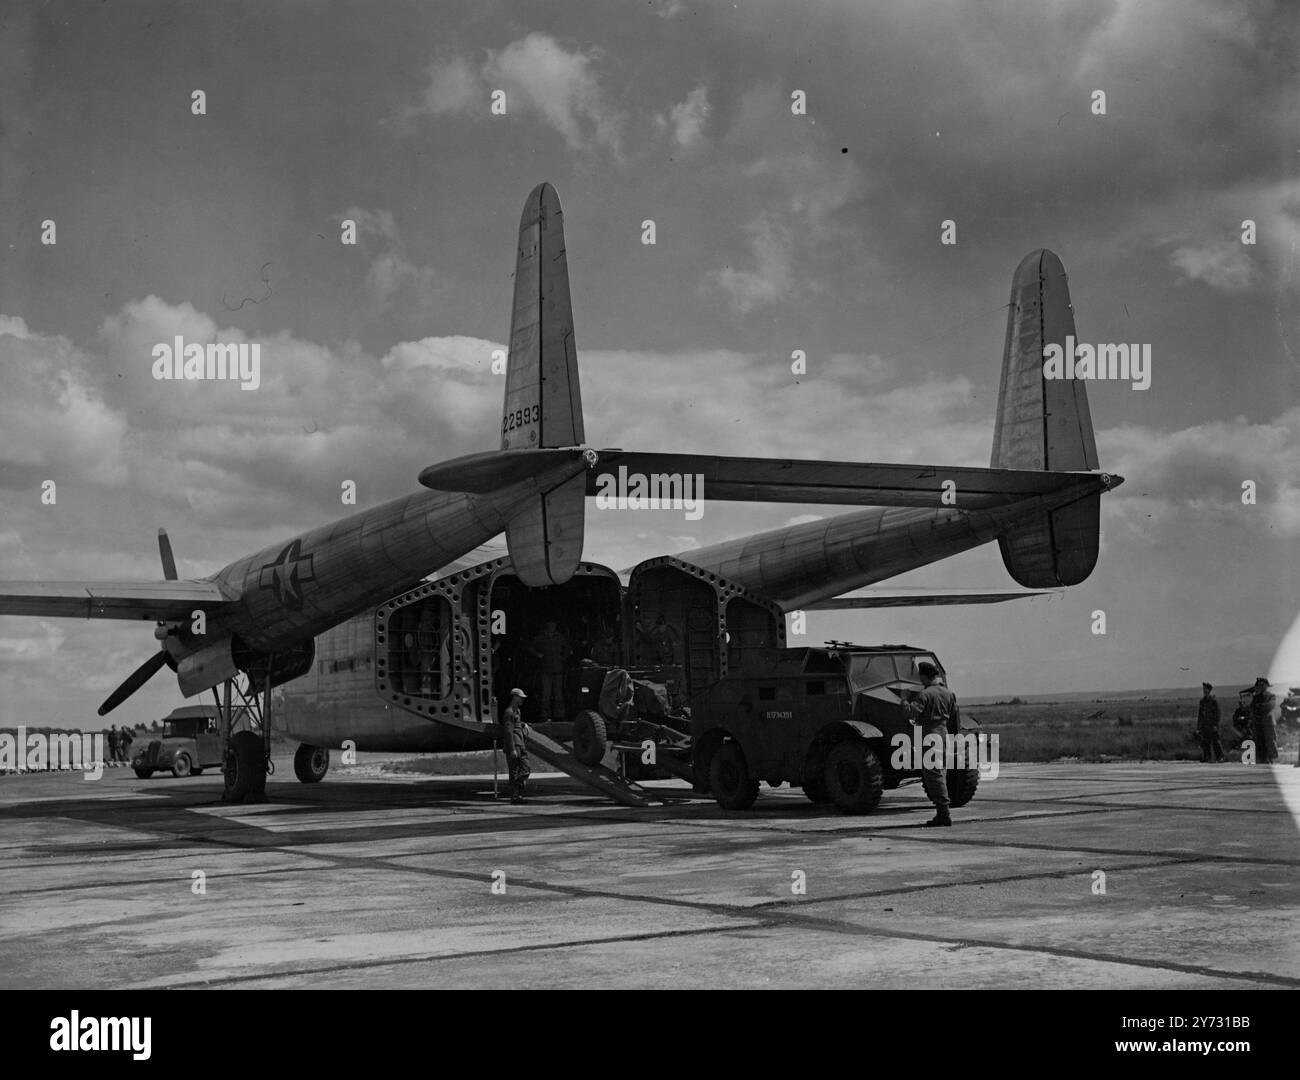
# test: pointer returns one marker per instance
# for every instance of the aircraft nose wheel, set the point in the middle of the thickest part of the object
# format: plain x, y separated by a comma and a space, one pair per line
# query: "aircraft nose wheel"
245, 770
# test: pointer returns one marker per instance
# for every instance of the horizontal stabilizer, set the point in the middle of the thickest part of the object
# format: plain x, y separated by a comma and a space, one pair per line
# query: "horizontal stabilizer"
159, 601
492, 470
918, 597
849, 483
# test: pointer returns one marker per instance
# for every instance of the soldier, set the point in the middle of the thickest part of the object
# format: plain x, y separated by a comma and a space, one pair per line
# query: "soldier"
1261, 720
663, 641
604, 650
125, 739
1207, 725
114, 741
552, 650
931, 711
515, 744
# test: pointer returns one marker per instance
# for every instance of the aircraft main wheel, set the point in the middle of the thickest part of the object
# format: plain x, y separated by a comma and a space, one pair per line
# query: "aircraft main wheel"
311, 763
853, 777
961, 785
144, 774
181, 767
729, 779
815, 788
245, 768
590, 740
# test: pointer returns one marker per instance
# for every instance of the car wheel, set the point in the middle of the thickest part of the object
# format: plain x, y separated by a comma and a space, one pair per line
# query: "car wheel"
181, 767
144, 774
311, 763
729, 779
853, 777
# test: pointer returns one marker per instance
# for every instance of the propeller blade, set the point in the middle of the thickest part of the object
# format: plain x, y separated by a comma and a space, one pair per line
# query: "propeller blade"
134, 681
168, 560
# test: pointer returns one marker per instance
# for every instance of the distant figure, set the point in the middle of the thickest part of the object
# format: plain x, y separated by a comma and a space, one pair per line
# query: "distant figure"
1261, 720
604, 650
1207, 725
931, 712
552, 650
124, 742
662, 639
515, 744
114, 744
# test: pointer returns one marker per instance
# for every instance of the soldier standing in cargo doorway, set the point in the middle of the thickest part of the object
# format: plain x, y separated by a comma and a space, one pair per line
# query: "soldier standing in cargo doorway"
931, 711
1261, 722
662, 639
1207, 725
552, 651
515, 744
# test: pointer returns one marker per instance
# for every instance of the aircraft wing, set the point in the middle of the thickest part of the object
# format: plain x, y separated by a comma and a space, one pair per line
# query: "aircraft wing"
151, 600
900, 596
742, 479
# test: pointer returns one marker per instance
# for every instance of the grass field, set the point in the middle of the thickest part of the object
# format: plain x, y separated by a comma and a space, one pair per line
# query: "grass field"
1117, 729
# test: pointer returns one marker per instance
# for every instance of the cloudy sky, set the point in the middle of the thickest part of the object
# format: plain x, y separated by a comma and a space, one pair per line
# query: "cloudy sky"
774, 232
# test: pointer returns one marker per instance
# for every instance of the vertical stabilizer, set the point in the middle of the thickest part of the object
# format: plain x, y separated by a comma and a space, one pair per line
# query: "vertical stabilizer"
1045, 424
543, 404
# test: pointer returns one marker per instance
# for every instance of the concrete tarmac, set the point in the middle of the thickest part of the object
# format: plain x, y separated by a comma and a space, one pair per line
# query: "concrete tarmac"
370, 880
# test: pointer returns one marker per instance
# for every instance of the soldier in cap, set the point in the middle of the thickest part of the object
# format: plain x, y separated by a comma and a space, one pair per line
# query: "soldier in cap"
931, 711
1261, 720
1207, 725
515, 744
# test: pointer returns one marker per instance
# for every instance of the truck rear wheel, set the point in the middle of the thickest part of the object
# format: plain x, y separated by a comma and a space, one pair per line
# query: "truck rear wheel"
853, 777
729, 779
181, 766
590, 740
815, 788
961, 785
311, 763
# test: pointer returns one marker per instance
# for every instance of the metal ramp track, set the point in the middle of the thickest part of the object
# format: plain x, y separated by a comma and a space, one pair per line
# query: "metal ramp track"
596, 777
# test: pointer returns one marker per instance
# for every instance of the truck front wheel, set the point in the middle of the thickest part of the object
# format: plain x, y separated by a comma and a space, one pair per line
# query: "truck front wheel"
854, 777
311, 763
729, 779
961, 785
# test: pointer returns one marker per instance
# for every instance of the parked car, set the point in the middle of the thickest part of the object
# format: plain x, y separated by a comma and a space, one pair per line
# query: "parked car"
190, 742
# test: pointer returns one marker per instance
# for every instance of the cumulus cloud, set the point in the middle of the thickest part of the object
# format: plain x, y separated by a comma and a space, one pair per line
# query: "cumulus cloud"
540, 78
769, 277
392, 276
1191, 479
1224, 266
686, 119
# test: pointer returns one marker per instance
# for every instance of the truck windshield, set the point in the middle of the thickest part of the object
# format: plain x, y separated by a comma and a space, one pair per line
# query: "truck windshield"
868, 671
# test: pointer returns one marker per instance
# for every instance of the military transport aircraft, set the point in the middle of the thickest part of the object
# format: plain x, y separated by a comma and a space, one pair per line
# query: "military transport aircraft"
406, 662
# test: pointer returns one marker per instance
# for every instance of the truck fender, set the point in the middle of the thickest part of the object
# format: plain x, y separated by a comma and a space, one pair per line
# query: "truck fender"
834, 733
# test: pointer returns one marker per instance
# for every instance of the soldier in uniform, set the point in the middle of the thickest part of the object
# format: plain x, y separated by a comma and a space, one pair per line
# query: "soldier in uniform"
515, 745
1261, 722
1207, 725
552, 651
114, 741
124, 741
931, 712
662, 639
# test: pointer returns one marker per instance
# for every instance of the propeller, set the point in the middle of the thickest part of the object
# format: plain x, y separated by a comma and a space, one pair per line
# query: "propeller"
160, 659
